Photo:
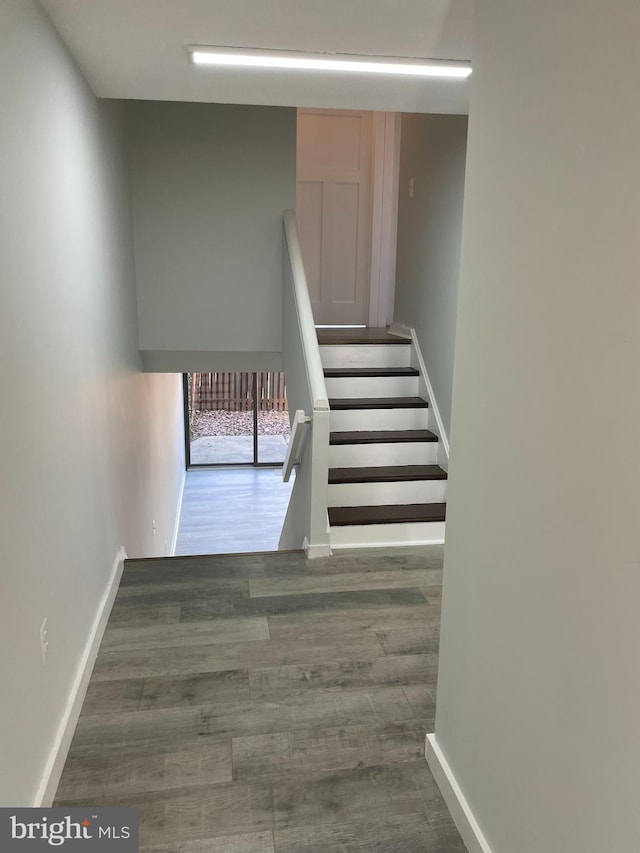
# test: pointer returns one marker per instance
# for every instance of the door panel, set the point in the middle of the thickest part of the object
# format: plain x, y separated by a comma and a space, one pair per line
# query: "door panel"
343, 226
334, 189
309, 199
331, 141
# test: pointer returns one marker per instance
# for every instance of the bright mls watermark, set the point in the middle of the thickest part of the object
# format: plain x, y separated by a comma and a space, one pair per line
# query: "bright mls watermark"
74, 830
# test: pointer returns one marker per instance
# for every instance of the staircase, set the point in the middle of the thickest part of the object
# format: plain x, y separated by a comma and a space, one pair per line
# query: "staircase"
385, 484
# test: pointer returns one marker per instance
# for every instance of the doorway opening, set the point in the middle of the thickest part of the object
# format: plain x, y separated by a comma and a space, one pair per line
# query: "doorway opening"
235, 419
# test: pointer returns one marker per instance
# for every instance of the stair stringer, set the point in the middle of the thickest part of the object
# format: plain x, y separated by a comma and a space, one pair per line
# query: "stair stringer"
426, 390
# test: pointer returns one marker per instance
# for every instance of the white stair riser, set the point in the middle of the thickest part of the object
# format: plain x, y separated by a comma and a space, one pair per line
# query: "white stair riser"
372, 535
350, 420
365, 455
374, 386
380, 494
366, 355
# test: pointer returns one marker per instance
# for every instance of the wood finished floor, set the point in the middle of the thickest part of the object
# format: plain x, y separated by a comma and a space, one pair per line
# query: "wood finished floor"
232, 509
269, 704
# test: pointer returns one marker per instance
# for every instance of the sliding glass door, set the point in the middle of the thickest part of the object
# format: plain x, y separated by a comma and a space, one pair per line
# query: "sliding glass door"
272, 418
235, 419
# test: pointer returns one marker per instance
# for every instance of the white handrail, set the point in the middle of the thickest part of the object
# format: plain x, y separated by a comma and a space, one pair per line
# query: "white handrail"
306, 323
299, 429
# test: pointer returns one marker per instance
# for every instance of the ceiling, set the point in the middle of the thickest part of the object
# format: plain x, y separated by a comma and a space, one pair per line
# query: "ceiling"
137, 49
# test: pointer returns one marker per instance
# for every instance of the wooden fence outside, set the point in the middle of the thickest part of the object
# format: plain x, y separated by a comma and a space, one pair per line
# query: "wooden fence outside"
233, 392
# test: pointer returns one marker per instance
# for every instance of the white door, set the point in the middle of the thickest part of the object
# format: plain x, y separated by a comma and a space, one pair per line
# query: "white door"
333, 209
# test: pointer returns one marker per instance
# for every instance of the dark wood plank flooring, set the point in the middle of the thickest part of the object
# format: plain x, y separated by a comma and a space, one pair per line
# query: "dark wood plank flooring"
384, 436
389, 514
342, 336
264, 703
386, 474
341, 403
369, 372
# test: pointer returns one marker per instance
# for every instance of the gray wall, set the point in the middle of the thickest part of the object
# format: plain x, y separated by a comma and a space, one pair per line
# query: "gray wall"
210, 183
538, 692
89, 447
432, 152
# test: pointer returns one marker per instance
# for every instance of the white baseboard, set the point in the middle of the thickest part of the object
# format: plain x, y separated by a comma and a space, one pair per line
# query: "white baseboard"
400, 330
419, 543
176, 526
62, 741
313, 551
460, 810
433, 403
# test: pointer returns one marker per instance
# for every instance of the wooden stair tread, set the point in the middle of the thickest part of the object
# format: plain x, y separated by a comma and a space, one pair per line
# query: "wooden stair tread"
368, 372
342, 337
377, 403
383, 436
386, 474
340, 516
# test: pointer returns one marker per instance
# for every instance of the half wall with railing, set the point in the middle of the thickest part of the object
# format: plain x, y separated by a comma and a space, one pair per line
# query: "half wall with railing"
306, 524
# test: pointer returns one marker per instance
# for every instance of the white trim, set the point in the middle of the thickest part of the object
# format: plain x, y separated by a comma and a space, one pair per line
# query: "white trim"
426, 389
392, 543
371, 386
371, 455
365, 355
313, 551
357, 420
392, 190
396, 492
456, 801
58, 754
377, 192
384, 216
176, 525
400, 330
394, 534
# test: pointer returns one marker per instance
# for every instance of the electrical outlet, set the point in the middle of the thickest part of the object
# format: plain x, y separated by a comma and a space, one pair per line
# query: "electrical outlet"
44, 641
411, 187
153, 525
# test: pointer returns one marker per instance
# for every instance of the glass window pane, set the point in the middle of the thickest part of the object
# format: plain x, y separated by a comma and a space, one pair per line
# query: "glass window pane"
273, 418
221, 418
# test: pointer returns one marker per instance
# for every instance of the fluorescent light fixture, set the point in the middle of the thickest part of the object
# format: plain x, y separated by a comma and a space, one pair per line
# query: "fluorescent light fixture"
291, 60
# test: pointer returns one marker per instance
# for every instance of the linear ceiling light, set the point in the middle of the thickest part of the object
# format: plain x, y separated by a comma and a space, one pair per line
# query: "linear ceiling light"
250, 58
